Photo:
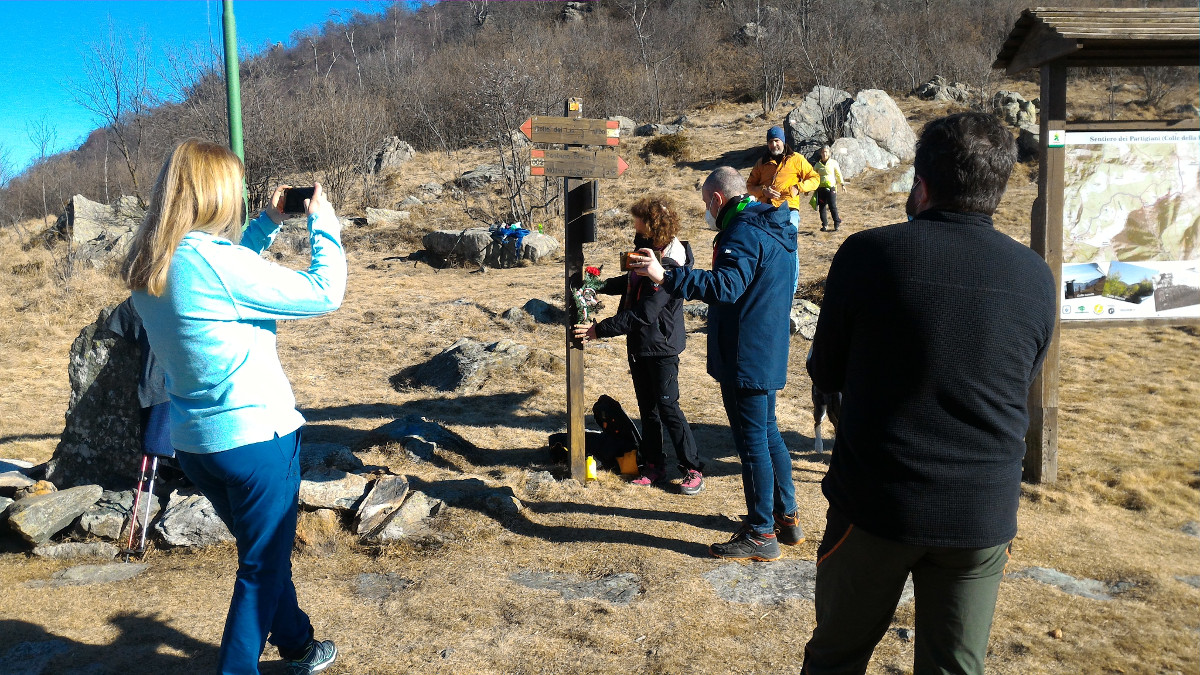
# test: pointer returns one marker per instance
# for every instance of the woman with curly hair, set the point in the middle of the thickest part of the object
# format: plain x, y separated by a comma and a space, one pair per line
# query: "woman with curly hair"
653, 322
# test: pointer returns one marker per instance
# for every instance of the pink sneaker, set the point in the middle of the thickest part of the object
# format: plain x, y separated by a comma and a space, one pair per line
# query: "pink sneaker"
651, 475
693, 482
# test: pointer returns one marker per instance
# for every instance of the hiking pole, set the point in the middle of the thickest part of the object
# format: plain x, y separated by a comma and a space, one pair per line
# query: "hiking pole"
149, 498
137, 498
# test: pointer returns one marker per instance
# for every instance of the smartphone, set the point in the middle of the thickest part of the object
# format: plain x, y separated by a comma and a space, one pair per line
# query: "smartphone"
293, 199
625, 260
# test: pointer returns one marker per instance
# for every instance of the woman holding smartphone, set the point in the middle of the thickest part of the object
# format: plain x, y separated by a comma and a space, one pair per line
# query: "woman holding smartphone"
209, 303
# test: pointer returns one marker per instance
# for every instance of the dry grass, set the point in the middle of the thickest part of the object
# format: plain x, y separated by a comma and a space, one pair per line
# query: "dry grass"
1128, 474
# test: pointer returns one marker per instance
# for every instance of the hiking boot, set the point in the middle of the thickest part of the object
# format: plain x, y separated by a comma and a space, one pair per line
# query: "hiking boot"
317, 657
747, 545
788, 530
693, 482
651, 475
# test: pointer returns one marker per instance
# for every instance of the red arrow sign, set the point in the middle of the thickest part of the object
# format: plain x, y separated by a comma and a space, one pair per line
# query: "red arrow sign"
570, 131
576, 163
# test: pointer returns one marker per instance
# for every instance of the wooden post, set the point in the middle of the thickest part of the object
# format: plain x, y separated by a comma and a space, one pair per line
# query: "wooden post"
1041, 443
573, 247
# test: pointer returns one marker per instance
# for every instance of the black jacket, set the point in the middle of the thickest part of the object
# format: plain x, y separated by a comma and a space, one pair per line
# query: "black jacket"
933, 331
651, 317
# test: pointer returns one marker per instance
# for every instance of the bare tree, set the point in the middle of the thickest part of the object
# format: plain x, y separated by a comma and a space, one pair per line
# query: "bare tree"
1159, 82
44, 136
650, 52
116, 89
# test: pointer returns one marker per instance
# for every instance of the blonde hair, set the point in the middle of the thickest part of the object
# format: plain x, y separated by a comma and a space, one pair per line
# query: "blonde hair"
198, 188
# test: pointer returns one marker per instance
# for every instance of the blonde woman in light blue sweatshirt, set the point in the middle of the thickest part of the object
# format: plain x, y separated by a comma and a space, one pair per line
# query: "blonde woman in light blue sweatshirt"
209, 302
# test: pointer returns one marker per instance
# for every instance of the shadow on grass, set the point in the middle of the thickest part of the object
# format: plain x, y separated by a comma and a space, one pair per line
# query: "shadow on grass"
144, 644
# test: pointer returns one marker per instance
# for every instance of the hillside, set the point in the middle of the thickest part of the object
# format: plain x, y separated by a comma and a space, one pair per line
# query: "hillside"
458, 600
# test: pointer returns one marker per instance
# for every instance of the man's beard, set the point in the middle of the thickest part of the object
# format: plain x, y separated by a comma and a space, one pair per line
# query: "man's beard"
778, 153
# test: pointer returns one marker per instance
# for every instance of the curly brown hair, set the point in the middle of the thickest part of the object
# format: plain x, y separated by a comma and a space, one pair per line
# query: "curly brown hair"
660, 216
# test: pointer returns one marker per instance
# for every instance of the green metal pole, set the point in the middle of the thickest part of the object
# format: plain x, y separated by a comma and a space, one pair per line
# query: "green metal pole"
233, 82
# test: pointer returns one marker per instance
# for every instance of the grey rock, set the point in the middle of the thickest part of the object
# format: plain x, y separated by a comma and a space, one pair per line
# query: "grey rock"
407, 519
102, 440
1084, 588
32, 658
817, 120
617, 589
381, 503
480, 177
380, 587
330, 455
416, 427
503, 503
658, 129
467, 364
38, 518
468, 246
86, 575
411, 200
537, 247
544, 312
514, 315
906, 634
326, 488
76, 549
11, 481
5, 502
108, 518
15, 465
876, 116
419, 449
392, 154
904, 182
1014, 109
575, 11
539, 481
625, 125
1192, 580
189, 520
1191, 528
1029, 143
804, 318
855, 155
939, 89
752, 31
431, 188
1188, 109
387, 218
100, 233
768, 584
39, 487
696, 309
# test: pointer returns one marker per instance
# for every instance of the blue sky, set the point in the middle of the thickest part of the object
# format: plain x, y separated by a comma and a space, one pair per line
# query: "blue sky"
44, 44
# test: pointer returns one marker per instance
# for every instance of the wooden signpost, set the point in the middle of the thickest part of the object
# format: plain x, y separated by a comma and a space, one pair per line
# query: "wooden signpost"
577, 166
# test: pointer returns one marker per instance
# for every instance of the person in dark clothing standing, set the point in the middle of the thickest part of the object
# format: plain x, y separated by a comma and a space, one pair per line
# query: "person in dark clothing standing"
749, 294
653, 320
152, 388
933, 331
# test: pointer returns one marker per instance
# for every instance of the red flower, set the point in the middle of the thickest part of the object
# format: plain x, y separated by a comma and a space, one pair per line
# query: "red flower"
594, 271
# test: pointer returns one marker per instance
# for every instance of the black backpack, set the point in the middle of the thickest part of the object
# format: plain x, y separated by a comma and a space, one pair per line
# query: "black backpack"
617, 436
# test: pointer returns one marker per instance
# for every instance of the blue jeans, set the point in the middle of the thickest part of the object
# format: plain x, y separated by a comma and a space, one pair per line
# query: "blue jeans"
794, 218
253, 488
766, 463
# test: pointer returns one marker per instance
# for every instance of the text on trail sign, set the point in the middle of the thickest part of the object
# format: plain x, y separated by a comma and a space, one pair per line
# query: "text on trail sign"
576, 163
569, 131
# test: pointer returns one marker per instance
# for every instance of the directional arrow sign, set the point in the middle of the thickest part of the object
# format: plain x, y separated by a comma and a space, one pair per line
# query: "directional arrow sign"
570, 131
576, 163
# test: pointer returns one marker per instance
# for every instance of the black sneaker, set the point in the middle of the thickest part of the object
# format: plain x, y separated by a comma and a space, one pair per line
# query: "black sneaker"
787, 528
747, 545
317, 657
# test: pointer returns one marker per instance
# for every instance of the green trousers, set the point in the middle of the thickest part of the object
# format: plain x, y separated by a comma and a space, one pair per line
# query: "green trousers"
859, 580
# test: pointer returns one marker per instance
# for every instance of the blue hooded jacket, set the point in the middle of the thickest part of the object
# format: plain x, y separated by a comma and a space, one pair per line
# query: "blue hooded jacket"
749, 294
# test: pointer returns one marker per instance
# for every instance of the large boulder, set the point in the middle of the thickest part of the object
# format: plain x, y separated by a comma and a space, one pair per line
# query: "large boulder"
537, 247
466, 364
102, 440
480, 177
804, 318
100, 234
190, 520
392, 154
876, 116
625, 125
856, 154
327, 488
469, 245
939, 89
1029, 143
817, 119
658, 129
38, 518
1014, 109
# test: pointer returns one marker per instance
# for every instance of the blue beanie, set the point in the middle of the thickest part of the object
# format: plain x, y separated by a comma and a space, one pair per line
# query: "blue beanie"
775, 132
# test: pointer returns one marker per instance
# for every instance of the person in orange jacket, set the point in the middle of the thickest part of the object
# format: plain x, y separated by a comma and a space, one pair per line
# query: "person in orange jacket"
782, 175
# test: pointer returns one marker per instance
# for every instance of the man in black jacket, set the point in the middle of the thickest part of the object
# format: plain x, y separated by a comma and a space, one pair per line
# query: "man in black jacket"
933, 331
749, 296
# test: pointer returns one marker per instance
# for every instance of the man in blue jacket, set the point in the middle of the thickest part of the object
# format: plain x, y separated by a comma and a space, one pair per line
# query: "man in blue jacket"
749, 293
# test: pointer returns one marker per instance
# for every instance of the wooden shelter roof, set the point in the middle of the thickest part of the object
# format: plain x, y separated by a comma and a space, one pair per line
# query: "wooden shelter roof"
1102, 37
